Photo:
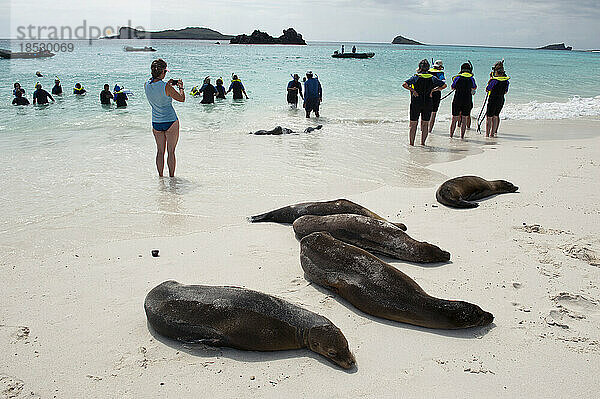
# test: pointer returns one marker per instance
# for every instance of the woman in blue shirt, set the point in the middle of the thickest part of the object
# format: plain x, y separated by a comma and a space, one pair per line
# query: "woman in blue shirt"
165, 124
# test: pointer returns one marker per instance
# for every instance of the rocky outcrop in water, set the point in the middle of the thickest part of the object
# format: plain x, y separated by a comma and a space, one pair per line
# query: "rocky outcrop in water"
290, 36
559, 46
404, 40
180, 34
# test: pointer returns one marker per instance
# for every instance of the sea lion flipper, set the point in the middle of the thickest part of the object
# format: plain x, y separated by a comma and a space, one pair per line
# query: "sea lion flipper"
401, 226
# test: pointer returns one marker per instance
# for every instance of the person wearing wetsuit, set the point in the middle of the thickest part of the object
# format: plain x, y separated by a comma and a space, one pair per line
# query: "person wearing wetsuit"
105, 95
464, 87
79, 90
313, 94
238, 88
18, 88
57, 88
421, 86
20, 100
40, 96
497, 87
208, 92
220, 89
120, 97
294, 88
436, 70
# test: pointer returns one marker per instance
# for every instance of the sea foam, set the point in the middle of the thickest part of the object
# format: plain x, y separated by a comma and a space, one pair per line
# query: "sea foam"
575, 107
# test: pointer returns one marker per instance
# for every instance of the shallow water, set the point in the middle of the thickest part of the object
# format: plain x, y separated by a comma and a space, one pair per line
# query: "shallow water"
76, 172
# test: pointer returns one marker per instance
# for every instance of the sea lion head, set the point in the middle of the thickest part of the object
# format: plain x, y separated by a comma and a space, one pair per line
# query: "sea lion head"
329, 341
506, 187
429, 253
464, 315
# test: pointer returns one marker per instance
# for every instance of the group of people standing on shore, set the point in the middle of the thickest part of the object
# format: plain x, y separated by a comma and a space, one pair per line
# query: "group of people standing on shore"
426, 87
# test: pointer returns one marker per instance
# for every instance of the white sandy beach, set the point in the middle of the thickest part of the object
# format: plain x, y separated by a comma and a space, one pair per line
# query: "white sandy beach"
72, 325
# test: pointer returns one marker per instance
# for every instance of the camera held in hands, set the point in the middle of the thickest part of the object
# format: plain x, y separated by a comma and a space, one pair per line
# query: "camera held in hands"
174, 82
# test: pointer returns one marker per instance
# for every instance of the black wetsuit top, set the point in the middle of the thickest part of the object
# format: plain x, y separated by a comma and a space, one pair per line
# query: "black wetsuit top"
121, 99
237, 87
41, 96
292, 95
208, 94
220, 91
57, 89
423, 87
81, 91
499, 89
20, 101
105, 96
462, 86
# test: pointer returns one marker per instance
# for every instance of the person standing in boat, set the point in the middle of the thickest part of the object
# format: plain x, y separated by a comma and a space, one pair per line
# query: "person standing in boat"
294, 88
421, 86
436, 70
353, 49
313, 94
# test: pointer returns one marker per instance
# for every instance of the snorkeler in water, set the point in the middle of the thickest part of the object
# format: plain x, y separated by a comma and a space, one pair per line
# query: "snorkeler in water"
220, 89
294, 88
237, 87
57, 88
78, 89
40, 96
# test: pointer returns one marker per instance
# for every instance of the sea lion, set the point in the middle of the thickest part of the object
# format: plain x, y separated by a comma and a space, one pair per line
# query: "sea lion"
277, 131
242, 319
288, 214
372, 235
460, 191
379, 289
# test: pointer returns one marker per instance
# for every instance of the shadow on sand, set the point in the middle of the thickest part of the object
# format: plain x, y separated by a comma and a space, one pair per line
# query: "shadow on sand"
211, 352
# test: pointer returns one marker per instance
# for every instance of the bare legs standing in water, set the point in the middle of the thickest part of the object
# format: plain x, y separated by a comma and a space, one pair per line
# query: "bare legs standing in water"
166, 140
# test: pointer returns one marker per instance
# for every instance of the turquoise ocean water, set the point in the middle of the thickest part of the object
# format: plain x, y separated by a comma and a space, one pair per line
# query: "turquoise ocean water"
75, 172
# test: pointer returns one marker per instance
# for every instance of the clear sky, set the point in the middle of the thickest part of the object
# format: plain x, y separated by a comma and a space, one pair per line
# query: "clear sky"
529, 23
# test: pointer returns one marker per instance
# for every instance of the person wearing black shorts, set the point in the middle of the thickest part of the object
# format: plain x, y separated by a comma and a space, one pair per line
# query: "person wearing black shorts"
436, 70
464, 88
497, 87
421, 86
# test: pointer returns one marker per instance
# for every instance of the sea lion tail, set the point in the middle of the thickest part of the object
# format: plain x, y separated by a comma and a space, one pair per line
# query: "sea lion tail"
258, 218
263, 217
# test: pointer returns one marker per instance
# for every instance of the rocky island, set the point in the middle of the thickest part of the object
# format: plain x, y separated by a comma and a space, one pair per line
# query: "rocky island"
559, 46
404, 40
179, 34
290, 36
